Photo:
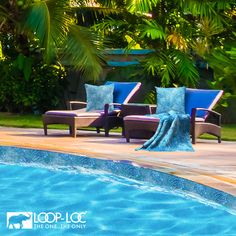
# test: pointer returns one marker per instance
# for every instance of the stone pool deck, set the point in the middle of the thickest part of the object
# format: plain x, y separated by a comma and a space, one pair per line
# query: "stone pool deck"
211, 164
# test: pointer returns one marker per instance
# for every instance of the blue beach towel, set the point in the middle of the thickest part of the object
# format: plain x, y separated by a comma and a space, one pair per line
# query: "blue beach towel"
171, 135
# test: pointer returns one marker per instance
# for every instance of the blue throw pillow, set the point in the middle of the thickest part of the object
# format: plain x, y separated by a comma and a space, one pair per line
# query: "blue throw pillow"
98, 96
170, 99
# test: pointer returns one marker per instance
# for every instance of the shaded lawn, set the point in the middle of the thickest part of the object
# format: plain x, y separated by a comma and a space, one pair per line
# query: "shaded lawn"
228, 133
24, 121
35, 121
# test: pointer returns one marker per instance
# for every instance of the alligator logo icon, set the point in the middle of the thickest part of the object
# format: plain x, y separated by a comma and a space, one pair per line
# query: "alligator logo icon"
19, 220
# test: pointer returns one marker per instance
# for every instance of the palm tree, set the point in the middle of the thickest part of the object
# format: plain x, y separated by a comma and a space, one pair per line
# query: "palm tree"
180, 32
48, 28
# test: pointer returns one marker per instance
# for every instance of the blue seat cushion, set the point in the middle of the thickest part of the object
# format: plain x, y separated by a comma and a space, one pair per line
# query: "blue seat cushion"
200, 98
170, 99
122, 90
98, 96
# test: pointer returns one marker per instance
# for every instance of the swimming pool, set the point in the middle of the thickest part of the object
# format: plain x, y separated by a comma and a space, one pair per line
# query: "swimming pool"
75, 195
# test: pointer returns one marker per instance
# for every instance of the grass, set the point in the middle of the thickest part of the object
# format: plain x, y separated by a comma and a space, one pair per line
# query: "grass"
35, 121
24, 121
228, 133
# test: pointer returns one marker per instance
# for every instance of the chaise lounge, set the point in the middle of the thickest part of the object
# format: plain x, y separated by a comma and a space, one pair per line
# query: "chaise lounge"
104, 118
198, 104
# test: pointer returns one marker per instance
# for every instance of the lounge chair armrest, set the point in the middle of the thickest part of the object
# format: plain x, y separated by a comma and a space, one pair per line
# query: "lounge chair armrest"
107, 106
77, 102
208, 110
114, 104
211, 116
73, 105
135, 109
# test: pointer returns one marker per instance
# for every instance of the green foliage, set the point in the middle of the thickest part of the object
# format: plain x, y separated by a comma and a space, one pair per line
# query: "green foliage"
41, 91
151, 97
182, 33
1, 55
50, 24
129, 73
24, 64
224, 65
152, 30
71, 51
46, 26
174, 67
140, 6
186, 70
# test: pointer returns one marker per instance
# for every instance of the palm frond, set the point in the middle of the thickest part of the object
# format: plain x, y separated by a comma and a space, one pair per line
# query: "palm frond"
207, 9
87, 16
60, 20
209, 27
223, 4
38, 22
48, 21
4, 16
82, 48
232, 53
167, 72
223, 63
152, 30
150, 97
3, 12
198, 8
185, 69
177, 41
161, 65
112, 3
152, 64
200, 47
141, 6
110, 25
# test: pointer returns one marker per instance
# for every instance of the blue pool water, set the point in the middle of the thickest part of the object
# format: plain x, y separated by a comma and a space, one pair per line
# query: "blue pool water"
41, 182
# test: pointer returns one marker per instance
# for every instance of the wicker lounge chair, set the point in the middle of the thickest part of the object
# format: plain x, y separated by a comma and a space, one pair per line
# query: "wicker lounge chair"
198, 104
77, 118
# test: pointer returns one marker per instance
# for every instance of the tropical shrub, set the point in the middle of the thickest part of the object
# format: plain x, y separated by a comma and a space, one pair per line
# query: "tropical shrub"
182, 34
42, 90
49, 27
